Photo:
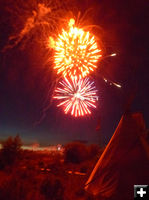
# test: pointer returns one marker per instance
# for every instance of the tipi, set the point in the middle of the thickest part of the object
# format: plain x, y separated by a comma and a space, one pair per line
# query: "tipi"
124, 162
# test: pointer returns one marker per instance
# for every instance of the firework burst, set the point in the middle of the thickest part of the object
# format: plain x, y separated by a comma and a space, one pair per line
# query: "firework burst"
76, 52
76, 96
33, 19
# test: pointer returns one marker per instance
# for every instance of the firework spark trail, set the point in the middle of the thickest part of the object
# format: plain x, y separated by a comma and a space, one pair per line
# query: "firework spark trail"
47, 103
106, 80
38, 19
111, 82
76, 52
76, 96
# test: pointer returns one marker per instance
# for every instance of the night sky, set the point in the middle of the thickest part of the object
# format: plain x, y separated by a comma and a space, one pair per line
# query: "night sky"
26, 76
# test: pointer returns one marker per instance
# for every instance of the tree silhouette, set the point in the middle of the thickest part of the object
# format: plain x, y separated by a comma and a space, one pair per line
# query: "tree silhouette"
11, 150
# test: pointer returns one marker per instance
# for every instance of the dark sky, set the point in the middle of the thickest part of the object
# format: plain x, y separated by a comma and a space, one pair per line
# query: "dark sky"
26, 75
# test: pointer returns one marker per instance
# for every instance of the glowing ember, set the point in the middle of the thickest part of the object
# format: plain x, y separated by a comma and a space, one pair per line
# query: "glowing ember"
76, 52
77, 96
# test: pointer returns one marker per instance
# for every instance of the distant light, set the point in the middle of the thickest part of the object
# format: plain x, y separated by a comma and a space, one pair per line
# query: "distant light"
58, 148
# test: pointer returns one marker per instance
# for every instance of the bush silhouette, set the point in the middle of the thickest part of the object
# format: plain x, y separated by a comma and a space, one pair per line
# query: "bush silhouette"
52, 189
75, 152
11, 151
94, 150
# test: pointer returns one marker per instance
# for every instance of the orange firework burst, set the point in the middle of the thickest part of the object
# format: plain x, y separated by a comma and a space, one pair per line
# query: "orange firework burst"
76, 52
77, 96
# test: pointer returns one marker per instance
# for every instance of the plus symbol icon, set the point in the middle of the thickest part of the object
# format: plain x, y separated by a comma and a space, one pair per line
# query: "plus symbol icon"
141, 192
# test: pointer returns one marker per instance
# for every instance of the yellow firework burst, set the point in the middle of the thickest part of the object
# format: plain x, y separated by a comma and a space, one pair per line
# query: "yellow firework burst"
76, 52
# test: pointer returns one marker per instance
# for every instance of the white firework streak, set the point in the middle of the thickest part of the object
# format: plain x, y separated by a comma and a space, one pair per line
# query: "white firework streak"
76, 96
112, 83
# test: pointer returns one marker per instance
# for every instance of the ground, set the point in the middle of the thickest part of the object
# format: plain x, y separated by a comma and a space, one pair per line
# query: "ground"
45, 176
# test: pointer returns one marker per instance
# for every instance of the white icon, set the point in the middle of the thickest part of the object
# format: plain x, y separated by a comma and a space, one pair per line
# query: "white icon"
141, 192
